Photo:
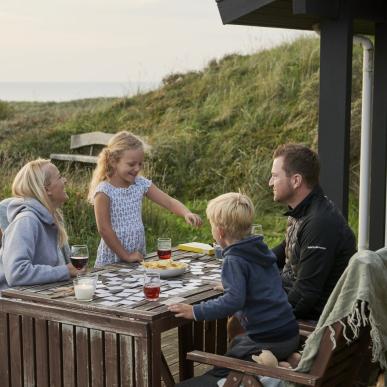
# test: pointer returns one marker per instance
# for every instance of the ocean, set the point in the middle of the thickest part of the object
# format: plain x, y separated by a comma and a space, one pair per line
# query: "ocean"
67, 91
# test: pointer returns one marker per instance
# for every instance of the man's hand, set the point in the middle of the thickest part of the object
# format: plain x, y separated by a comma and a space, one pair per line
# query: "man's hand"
182, 310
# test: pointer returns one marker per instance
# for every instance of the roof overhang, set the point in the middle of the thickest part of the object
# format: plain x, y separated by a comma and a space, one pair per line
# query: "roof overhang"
300, 14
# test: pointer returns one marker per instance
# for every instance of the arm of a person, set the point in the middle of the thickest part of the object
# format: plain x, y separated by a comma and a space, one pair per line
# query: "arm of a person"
182, 310
234, 278
164, 200
19, 253
279, 252
186, 310
318, 239
105, 229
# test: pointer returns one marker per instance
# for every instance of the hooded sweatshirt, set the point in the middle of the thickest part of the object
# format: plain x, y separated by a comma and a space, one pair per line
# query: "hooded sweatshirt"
253, 291
29, 253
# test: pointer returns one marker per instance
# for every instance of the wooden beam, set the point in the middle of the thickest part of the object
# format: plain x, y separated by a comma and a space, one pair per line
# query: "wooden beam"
379, 142
74, 157
320, 8
374, 10
230, 10
335, 106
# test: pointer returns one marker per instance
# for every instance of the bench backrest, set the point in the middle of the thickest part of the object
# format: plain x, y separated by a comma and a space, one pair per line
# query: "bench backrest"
89, 139
346, 363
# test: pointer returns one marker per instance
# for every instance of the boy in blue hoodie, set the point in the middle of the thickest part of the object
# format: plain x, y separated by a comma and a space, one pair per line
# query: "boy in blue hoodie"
252, 285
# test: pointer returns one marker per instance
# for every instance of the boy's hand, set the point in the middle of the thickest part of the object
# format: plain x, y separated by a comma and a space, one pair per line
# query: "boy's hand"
182, 310
134, 257
218, 286
193, 219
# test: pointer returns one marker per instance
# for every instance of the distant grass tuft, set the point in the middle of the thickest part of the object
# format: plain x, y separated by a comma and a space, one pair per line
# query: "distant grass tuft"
5, 110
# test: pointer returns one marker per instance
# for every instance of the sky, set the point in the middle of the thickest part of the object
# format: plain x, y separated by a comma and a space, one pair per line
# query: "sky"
118, 40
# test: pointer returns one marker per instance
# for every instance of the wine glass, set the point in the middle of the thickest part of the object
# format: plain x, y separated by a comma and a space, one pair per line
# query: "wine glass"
79, 256
257, 230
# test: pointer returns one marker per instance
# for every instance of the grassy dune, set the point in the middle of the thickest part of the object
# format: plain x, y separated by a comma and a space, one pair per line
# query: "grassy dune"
211, 132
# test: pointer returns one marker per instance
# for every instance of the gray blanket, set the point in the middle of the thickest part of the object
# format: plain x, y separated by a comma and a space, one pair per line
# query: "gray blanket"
363, 282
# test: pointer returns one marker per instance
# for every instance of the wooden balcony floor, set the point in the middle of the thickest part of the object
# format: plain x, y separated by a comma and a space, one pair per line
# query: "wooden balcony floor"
170, 349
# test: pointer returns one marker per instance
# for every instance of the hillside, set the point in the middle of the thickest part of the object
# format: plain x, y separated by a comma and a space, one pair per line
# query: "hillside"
211, 132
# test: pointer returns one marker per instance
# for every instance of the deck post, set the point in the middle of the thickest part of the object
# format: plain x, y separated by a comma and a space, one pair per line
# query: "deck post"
379, 142
335, 106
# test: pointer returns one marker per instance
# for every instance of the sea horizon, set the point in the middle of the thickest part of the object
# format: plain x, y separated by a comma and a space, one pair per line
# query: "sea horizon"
61, 91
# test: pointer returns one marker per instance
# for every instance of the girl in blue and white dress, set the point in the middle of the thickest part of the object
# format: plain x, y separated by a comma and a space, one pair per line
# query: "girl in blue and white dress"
117, 190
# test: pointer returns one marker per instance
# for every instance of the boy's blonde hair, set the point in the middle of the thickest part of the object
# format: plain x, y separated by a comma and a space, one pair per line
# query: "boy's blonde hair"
117, 145
31, 182
233, 212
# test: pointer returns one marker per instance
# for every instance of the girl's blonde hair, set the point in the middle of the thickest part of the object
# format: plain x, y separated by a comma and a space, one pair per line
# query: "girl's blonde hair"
31, 182
233, 212
117, 145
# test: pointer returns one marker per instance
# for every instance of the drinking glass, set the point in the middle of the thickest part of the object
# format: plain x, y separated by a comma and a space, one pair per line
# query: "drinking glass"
79, 256
164, 248
84, 287
218, 251
152, 285
256, 229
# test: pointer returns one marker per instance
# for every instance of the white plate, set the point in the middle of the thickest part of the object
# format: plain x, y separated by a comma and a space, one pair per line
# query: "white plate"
168, 273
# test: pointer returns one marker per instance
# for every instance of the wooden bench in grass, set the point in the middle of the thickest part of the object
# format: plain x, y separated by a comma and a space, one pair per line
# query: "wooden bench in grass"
92, 142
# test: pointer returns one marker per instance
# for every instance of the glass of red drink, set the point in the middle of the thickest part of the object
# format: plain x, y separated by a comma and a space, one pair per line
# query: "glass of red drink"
164, 248
152, 285
79, 256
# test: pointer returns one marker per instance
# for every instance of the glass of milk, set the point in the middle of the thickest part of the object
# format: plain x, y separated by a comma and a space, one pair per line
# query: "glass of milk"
84, 287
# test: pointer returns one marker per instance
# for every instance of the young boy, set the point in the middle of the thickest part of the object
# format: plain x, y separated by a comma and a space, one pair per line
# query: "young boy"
252, 287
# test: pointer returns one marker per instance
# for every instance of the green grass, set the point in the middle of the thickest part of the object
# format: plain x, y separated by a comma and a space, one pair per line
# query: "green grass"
211, 131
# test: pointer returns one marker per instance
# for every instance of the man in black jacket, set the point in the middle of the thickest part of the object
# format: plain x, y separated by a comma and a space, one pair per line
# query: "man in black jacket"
319, 242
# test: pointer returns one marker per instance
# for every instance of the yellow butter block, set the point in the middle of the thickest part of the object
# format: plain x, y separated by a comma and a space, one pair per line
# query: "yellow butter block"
197, 247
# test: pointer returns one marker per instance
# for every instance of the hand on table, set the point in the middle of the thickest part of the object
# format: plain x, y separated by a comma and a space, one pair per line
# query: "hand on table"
182, 310
218, 286
193, 219
134, 257
73, 271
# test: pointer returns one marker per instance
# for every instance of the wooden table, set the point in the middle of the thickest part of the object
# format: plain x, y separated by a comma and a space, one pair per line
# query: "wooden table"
46, 341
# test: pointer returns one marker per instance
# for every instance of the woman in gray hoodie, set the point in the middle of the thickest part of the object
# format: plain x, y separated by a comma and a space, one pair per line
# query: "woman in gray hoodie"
30, 254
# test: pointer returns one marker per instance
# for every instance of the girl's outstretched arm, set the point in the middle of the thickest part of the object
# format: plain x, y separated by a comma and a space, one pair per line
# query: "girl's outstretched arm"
161, 198
105, 229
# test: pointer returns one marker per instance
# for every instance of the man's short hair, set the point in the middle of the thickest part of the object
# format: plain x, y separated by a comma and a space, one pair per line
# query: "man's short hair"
299, 159
233, 212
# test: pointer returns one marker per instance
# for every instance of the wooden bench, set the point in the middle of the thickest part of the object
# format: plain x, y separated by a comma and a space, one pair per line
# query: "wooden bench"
95, 141
346, 365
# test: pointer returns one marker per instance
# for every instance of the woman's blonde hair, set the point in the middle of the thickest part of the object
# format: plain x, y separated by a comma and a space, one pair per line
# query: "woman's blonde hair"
117, 145
233, 212
31, 182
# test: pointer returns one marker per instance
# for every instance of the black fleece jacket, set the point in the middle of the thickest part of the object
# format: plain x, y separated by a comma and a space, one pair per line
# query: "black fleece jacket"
316, 251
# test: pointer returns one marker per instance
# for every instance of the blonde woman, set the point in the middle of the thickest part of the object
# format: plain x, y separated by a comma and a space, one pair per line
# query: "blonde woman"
117, 190
32, 251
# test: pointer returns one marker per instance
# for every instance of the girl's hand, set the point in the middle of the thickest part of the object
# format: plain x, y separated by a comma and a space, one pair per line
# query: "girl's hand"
182, 310
193, 219
134, 257
73, 271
